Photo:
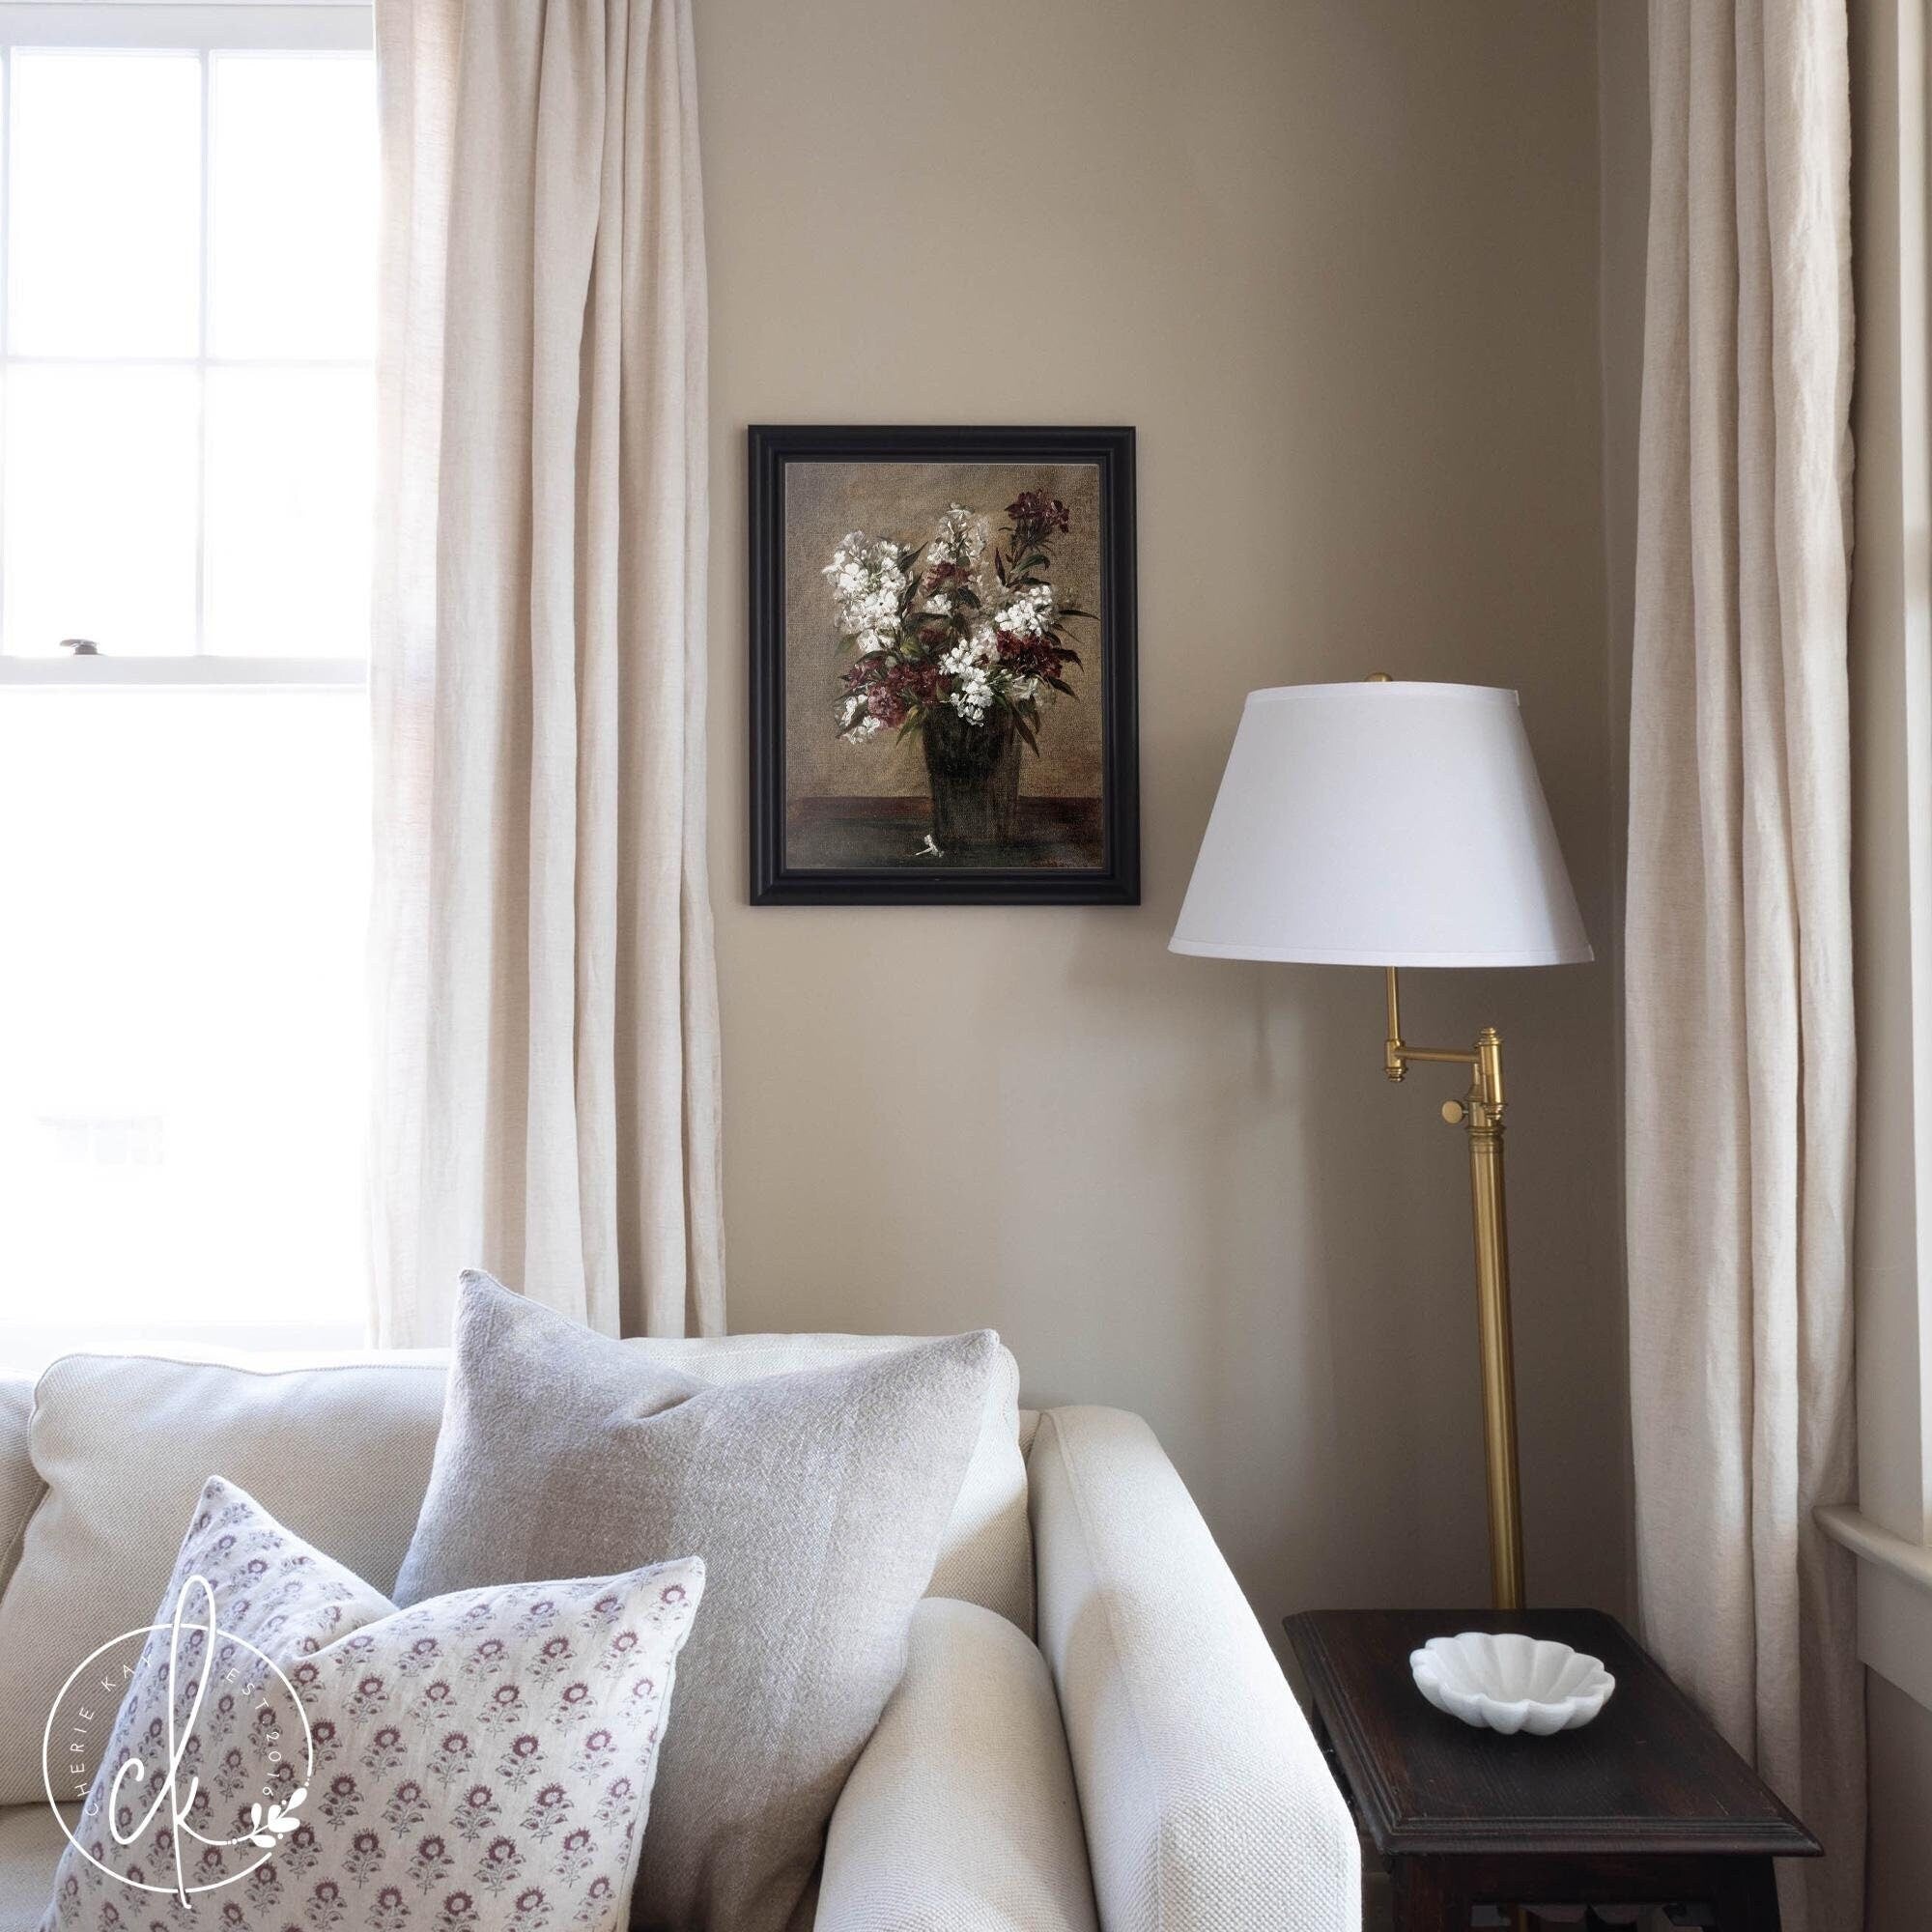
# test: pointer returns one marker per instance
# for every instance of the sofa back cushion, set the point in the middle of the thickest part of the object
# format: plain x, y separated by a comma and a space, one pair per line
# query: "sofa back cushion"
340, 1452
19, 1480
125, 1444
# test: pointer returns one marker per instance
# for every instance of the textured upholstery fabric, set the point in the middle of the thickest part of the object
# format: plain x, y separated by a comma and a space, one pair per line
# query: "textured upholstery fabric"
817, 1502
1137, 1592
30, 1848
1206, 1800
20, 1483
486, 1757
1738, 1021
960, 1814
341, 1454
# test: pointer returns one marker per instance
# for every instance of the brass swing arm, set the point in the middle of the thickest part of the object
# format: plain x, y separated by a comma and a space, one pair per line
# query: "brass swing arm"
1484, 1103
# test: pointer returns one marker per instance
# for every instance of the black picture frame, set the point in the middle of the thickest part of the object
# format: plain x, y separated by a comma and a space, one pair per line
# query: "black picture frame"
771, 447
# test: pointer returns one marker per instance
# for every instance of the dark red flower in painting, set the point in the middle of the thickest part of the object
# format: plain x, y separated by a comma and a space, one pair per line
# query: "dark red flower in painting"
1037, 510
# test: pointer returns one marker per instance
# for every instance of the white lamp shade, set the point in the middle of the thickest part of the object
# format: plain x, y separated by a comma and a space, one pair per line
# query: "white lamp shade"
1382, 824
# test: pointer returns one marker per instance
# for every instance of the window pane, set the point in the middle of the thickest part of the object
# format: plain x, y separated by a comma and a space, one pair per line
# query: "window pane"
101, 478
180, 1114
104, 247
289, 454
294, 231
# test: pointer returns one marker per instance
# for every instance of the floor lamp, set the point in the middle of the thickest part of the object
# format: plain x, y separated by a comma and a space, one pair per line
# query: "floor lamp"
1385, 824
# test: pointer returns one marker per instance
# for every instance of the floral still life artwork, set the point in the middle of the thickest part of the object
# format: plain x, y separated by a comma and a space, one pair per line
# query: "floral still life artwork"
960, 640
943, 667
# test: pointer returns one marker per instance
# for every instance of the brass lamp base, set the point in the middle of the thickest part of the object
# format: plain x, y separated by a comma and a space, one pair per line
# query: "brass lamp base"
1481, 1112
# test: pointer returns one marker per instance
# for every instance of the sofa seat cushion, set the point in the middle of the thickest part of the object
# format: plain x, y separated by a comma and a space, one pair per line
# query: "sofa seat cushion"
31, 1844
340, 1451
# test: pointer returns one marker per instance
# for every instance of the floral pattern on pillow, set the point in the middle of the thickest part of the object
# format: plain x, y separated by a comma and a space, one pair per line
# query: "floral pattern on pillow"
481, 1762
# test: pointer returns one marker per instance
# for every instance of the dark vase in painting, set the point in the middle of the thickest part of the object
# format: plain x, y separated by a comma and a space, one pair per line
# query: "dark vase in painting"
975, 774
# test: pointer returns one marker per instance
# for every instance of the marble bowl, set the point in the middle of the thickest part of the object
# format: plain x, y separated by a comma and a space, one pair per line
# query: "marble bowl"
1511, 1682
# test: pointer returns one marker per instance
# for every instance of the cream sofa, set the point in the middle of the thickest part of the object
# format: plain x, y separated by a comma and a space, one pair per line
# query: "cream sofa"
1123, 1752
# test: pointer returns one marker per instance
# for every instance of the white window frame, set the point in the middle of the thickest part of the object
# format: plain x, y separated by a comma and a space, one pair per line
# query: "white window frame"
1889, 1530
211, 26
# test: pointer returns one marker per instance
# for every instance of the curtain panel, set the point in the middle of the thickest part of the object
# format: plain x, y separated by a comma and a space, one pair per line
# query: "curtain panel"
1739, 1039
545, 1026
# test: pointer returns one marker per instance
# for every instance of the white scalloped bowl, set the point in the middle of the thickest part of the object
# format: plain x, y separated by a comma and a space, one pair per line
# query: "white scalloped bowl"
1511, 1682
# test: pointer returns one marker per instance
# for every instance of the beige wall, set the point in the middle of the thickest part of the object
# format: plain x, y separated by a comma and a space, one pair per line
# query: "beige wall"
1338, 261
1898, 1736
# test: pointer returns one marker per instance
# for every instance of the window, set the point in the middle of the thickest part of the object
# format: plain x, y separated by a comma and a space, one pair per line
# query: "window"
187, 216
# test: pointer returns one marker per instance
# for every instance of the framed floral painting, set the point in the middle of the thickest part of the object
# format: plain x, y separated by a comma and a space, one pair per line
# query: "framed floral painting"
943, 694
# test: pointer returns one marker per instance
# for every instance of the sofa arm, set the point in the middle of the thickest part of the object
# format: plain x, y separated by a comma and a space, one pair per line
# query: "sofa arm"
1206, 1799
960, 1815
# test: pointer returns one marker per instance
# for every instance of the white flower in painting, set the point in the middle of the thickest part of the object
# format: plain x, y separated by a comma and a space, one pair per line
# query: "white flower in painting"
939, 605
973, 699
961, 539
970, 666
1030, 613
869, 586
854, 723
1022, 688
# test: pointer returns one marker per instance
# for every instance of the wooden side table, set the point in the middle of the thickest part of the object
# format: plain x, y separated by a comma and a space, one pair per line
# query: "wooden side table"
1646, 1806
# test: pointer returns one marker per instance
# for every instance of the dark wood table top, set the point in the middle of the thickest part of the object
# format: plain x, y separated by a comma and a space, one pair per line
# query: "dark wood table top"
1649, 1776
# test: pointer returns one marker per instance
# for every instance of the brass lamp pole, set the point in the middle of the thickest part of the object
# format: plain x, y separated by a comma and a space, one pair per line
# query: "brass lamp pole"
1481, 1112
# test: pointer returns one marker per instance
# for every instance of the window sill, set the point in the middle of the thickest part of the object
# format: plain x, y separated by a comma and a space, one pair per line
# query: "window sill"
1894, 1600
74, 673
1870, 1544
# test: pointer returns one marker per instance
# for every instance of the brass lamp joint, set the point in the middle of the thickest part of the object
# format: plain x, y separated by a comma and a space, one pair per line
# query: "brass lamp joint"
1483, 1104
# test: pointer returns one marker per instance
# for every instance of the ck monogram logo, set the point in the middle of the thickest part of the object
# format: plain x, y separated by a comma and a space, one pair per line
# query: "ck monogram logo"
160, 1778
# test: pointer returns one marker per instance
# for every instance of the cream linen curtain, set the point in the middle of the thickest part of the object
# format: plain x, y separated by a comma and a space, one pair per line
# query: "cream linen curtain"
1739, 956
546, 1079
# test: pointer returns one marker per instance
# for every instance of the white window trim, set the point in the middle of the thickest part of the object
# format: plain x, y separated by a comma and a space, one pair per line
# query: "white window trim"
195, 672
204, 27
320, 25
1889, 1531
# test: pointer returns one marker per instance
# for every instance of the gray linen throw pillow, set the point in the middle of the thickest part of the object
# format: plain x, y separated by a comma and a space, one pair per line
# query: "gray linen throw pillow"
817, 1502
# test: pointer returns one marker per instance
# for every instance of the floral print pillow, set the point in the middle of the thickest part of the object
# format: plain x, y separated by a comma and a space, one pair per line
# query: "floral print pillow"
296, 1755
